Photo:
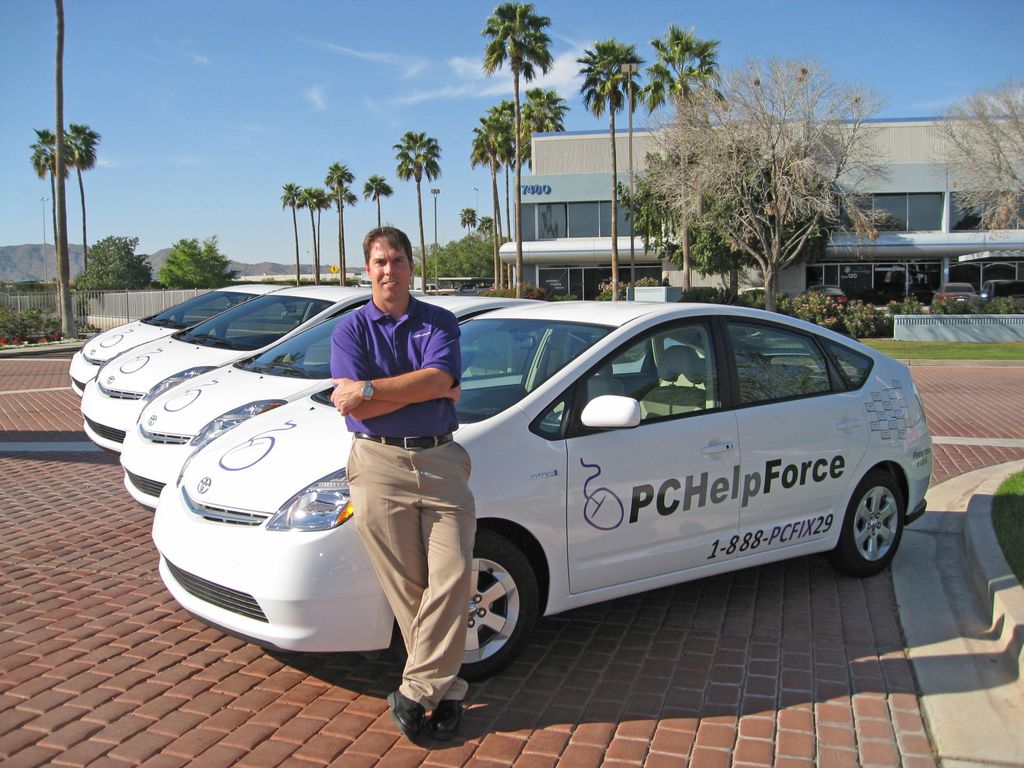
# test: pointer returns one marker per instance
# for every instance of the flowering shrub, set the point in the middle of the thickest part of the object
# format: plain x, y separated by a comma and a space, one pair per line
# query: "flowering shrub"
1004, 305
952, 307
908, 305
29, 326
863, 321
814, 308
529, 292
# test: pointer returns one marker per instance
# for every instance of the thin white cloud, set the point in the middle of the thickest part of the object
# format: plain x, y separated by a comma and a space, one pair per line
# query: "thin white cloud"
198, 58
407, 66
316, 95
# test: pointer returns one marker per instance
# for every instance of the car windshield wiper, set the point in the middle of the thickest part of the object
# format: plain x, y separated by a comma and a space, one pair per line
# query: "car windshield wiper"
208, 340
169, 324
280, 369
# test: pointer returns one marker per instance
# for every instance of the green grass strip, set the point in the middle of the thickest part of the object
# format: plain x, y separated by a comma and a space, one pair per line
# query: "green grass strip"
1008, 521
948, 350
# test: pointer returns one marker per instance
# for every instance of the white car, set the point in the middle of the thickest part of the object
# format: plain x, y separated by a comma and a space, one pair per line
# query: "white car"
178, 422
103, 346
616, 448
112, 402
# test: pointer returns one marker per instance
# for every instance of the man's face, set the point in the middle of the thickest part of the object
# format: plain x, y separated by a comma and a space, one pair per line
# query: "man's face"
390, 272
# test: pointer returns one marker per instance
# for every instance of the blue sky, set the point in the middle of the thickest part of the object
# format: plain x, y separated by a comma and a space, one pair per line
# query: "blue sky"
207, 108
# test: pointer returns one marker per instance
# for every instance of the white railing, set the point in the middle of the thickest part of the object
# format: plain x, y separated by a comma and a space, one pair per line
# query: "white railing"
958, 327
101, 309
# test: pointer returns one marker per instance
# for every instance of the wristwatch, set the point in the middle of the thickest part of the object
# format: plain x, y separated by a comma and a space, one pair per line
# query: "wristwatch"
367, 390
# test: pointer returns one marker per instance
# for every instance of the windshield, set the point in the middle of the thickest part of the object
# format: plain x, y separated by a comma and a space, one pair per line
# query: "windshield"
197, 309
503, 360
256, 323
306, 355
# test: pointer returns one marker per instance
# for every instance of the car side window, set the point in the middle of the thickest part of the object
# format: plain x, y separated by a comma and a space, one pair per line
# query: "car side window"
853, 366
670, 372
776, 364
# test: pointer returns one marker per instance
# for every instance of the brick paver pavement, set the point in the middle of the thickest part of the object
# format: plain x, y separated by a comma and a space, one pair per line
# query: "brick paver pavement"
786, 664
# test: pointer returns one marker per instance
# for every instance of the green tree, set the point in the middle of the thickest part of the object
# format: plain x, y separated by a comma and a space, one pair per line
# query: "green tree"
314, 199
685, 64
467, 219
605, 86
485, 150
192, 264
419, 156
114, 266
517, 37
81, 143
338, 180
374, 189
543, 112
290, 195
43, 161
467, 257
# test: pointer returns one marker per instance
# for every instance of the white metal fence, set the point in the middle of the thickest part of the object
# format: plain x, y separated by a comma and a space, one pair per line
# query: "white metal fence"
958, 327
101, 309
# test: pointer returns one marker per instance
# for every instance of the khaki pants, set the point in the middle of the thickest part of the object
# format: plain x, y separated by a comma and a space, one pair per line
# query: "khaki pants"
416, 517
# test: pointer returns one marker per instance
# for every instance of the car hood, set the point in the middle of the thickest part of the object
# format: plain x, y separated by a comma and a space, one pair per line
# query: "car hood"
185, 409
262, 463
104, 346
142, 368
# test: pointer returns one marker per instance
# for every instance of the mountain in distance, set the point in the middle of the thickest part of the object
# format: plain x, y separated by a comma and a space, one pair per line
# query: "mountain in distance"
25, 263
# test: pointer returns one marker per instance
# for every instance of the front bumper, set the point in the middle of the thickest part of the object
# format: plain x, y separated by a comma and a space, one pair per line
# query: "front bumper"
291, 590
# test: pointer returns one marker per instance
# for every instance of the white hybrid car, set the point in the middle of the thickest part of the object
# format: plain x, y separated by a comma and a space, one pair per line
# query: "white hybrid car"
103, 346
186, 418
616, 448
112, 402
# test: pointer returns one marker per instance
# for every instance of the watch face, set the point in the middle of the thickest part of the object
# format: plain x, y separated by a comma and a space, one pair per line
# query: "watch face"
367, 390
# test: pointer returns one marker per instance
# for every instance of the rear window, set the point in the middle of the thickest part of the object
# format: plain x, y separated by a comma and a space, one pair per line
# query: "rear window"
853, 366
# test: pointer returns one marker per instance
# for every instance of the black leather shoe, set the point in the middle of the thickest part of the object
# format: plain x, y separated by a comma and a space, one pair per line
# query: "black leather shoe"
445, 719
407, 714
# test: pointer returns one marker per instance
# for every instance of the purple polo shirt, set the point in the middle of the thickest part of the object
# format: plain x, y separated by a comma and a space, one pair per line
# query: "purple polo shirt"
370, 344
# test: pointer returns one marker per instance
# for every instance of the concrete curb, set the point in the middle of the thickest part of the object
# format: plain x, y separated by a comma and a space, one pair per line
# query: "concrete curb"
999, 589
40, 350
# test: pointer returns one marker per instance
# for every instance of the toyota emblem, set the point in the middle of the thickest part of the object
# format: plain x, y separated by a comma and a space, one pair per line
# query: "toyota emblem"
151, 420
204, 485
110, 379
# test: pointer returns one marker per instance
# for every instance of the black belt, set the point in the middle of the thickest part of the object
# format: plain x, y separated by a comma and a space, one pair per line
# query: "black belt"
407, 442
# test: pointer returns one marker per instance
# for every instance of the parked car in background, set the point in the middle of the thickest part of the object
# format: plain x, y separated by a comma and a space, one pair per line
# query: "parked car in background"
834, 292
959, 292
182, 420
616, 449
103, 346
995, 289
124, 385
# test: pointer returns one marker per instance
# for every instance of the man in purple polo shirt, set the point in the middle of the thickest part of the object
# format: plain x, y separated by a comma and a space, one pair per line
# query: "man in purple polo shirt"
397, 363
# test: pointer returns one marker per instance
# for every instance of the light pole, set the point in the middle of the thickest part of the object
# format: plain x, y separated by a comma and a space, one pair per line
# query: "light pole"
629, 70
476, 208
44, 201
435, 192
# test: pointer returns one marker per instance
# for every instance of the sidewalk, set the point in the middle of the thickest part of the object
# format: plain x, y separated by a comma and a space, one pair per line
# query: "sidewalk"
962, 613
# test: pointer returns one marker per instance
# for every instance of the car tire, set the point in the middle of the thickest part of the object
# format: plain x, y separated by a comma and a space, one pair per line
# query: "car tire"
873, 526
503, 606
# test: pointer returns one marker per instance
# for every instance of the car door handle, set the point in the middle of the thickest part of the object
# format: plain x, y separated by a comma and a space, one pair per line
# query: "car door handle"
850, 423
714, 449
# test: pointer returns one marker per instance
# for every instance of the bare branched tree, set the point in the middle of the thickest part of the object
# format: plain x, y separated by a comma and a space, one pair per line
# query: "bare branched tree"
985, 141
770, 147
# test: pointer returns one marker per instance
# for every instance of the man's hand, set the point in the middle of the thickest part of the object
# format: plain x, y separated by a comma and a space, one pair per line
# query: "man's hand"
347, 395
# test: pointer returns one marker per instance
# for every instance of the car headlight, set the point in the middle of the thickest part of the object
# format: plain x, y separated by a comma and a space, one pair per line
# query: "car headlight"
173, 381
320, 506
232, 419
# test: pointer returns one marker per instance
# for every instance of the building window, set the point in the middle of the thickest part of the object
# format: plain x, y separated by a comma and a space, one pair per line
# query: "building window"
529, 211
891, 211
924, 211
550, 221
584, 220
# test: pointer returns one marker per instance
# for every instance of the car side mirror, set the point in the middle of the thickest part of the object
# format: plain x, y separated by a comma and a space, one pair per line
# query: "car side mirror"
611, 412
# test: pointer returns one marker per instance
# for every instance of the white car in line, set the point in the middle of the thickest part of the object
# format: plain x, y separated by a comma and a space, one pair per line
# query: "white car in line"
112, 402
178, 422
103, 346
616, 448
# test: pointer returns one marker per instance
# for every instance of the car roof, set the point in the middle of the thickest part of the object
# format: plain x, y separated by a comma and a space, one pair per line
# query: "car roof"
456, 303
328, 292
253, 288
620, 313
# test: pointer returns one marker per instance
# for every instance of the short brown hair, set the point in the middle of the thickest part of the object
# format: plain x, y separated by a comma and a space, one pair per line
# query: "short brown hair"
393, 236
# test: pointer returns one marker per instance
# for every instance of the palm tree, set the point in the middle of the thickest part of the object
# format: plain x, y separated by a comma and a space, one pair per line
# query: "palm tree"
60, 232
685, 63
517, 36
467, 219
375, 188
338, 179
504, 118
487, 138
543, 112
310, 200
419, 156
81, 143
323, 202
604, 87
290, 198
44, 163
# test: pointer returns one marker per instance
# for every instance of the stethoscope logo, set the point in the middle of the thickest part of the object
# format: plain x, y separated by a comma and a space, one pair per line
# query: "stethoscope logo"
602, 509
186, 398
253, 450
